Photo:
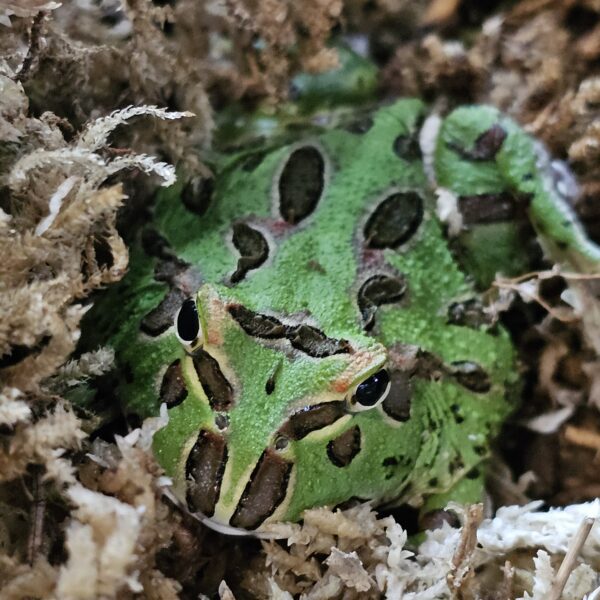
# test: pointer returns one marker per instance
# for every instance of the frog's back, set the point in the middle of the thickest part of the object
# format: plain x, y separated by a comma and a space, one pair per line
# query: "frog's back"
317, 263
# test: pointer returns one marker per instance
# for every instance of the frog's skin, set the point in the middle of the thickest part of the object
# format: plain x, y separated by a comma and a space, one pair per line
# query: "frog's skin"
313, 267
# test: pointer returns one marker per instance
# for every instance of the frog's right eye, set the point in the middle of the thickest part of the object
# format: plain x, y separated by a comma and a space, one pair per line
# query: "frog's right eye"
372, 391
187, 323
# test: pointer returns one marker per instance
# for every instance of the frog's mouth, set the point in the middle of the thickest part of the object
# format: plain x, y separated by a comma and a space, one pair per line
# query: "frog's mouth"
219, 526
230, 530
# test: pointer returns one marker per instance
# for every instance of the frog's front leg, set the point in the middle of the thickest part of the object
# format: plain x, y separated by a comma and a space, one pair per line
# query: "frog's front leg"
467, 490
496, 173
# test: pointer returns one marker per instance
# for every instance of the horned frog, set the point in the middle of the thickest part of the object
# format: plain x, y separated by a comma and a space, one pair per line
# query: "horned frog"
315, 332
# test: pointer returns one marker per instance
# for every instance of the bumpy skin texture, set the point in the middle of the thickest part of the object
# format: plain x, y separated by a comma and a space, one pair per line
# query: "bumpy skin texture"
239, 443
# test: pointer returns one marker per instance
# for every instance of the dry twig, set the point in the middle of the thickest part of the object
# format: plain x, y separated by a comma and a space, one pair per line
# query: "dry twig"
568, 563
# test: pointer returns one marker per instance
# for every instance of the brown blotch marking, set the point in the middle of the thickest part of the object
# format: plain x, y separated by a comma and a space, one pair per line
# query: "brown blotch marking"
171, 272
311, 418
172, 389
398, 401
315, 343
407, 147
301, 184
394, 221
271, 382
216, 387
486, 146
378, 290
492, 208
472, 376
474, 473
204, 470
342, 450
253, 249
197, 194
264, 492
309, 339
255, 324
429, 366
480, 450
159, 319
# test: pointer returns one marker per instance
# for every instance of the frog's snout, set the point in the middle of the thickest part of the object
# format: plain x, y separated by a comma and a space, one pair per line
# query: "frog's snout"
208, 480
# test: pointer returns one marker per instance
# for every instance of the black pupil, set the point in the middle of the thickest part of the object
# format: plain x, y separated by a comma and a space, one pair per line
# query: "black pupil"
369, 392
188, 324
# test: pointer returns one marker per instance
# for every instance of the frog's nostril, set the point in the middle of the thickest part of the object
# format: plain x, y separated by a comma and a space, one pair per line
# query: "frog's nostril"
222, 421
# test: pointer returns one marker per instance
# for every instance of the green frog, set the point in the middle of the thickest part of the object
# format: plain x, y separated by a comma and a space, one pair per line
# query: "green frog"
317, 332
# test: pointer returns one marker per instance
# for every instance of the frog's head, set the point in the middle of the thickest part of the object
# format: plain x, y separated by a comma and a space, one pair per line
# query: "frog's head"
268, 395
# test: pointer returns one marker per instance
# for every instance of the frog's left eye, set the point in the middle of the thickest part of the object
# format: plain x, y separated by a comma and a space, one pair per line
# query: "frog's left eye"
187, 322
372, 391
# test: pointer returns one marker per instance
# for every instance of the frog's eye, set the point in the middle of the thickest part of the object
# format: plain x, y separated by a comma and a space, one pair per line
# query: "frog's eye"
187, 322
372, 391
